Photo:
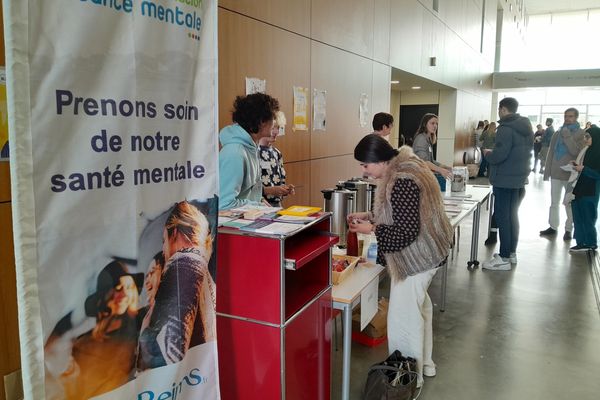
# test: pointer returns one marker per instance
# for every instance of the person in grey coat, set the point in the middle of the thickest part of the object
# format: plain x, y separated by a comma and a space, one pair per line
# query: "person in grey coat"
564, 148
509, 168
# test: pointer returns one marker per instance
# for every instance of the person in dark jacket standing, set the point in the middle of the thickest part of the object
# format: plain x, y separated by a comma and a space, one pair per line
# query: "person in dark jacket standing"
546, 139
509, 168
587, 193
537, 145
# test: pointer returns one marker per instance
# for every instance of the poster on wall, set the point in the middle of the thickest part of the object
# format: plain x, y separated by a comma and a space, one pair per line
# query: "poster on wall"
300, 109
113, 130
255, 85
319, 109
363, 109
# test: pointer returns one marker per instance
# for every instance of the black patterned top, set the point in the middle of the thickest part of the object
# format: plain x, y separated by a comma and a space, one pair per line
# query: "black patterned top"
272, 171
405, 213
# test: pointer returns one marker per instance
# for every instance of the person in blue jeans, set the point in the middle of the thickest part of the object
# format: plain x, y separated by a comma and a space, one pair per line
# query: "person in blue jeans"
509, 168
587, 193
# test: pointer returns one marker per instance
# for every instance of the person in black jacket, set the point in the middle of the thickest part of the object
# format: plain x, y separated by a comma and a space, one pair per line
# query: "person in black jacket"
509, 168
587, 193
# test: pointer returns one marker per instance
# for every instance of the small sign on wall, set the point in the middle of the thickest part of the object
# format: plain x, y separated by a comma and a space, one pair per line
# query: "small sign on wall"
319, 109
300, 109
255, 85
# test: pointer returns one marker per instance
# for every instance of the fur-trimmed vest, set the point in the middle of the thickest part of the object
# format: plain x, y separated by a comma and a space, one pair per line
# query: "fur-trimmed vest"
432, 245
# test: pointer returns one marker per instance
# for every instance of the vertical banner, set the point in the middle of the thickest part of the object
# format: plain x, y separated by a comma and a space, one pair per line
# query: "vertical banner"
113, 139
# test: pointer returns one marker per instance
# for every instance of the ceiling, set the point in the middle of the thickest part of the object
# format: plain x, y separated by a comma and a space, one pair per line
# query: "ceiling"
550, 6
408, 80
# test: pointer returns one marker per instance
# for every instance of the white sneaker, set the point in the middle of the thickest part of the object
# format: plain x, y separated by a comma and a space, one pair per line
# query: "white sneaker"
513, 258
497, 263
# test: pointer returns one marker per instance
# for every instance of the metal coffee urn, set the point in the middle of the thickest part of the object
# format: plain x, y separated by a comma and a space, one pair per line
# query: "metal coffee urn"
364, 191
340, 202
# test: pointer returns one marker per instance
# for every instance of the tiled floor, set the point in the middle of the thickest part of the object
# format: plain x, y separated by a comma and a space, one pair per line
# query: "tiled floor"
530, 333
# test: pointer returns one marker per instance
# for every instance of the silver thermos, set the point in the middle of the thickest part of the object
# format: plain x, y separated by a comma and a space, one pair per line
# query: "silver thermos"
364, 191
340, 202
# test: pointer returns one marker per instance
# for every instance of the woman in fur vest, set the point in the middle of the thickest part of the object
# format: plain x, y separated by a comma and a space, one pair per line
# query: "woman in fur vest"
414, 237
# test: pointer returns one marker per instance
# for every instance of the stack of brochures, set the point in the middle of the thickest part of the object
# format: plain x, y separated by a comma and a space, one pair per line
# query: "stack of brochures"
299, 211
270, 227
269, 220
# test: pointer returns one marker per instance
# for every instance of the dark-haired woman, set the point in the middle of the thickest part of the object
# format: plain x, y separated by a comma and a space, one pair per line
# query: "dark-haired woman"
587, 193
413, 235
240, 175
423, 142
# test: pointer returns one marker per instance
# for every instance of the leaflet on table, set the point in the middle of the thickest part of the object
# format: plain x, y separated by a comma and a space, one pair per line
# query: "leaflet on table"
236, 223
255, 211
300, 211
292, 219
269, 227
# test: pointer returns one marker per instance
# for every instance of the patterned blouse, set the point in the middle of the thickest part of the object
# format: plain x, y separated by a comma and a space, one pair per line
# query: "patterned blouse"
405, 212
272, 171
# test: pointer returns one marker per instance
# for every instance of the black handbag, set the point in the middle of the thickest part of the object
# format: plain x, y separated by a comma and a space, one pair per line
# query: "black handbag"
393, 379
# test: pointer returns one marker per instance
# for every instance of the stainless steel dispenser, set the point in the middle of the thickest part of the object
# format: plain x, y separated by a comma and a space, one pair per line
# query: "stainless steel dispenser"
364, 193
340, 202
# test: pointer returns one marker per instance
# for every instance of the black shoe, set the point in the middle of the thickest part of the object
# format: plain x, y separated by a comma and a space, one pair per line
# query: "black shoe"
548, 232
567, 236
492, 239
580, 249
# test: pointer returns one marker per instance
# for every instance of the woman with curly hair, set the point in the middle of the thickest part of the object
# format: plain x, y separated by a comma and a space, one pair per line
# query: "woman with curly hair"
271, 165
239, 168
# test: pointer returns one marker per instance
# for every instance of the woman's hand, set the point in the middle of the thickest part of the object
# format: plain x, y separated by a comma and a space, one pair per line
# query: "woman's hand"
279, 191
361, 226
357, 217
578, 167
446, 173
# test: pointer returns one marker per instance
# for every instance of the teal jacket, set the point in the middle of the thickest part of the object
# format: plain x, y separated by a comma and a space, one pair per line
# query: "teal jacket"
239, 169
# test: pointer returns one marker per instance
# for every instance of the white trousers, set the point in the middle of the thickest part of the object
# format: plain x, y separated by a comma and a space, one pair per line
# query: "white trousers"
556, 188
409, 319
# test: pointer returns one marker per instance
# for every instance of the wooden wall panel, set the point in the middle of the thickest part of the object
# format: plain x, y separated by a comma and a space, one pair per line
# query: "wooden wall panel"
405, 35
347, 24
381, 31
326, 172
344, 76
9, 328
249, 48
4, 181
298, 174
379, 100
293, 15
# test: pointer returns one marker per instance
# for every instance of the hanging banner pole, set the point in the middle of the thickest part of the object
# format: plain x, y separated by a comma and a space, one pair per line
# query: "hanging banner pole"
113, 150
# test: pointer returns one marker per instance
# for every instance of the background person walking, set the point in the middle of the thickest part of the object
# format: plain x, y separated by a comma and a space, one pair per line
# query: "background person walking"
549, 132
564, 148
